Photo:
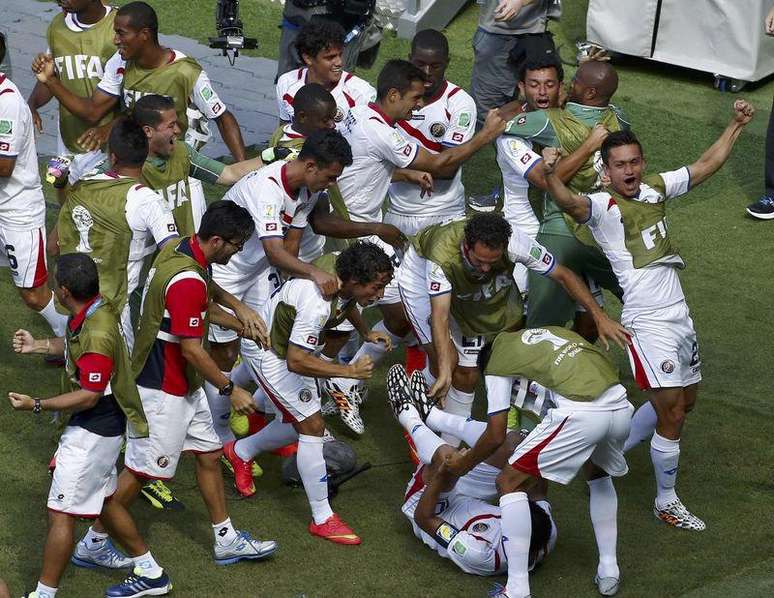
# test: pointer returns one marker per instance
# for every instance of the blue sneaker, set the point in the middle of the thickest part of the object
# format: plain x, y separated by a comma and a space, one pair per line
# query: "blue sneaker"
138, 585
107, 556
762, 209
244, 547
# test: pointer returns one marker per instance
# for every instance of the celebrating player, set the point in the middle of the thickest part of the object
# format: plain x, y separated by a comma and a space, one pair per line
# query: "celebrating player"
629, 224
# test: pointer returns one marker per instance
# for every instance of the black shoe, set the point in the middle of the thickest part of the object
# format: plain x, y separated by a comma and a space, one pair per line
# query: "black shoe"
763, 209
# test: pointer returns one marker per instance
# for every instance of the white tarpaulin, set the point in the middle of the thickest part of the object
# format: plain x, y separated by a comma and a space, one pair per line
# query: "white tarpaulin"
716, 36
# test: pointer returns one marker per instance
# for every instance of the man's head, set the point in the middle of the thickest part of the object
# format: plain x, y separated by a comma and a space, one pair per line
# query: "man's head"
136, 26
224, 230
430, 54
77, 6
320, 45
324, 155
2, 46
76, 279
486, 239
313, 109
157, 116
364, 270
127, 144
623, 161
594, 84
540, 80
399, 89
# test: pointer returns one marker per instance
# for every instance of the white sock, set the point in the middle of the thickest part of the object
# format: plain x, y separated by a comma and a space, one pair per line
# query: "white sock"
517, 532
603, 508
425, 440
262, 402
467, 430
643, 425
240, 375
251, 358
428, 374
224, 532
273, 436
457, 403
94, 540
57, 321
349, 349
665, 455
148, 565
45, 591
220, 408
311, 467
376, 350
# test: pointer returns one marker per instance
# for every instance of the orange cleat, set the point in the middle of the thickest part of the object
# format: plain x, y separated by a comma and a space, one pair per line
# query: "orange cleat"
243, 470
335, 530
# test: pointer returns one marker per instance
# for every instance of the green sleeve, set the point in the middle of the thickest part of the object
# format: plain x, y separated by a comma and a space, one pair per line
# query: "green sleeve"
204, 168
534, 126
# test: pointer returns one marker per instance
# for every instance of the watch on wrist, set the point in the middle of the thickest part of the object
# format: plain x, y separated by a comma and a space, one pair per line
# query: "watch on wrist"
36, 406
227, 389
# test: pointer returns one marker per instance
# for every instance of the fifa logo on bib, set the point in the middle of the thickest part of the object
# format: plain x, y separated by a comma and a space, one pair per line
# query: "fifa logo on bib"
651, 234
83, 223
533, 336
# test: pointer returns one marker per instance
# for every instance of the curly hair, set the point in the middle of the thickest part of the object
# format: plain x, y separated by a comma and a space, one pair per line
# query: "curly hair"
325, 147
489, 228
316, 36
363, 262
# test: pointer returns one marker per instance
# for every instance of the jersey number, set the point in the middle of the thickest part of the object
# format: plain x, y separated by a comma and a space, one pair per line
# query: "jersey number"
12, 262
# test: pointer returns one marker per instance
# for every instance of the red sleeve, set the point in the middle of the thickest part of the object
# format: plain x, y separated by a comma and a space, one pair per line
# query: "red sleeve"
187, 304
94, 371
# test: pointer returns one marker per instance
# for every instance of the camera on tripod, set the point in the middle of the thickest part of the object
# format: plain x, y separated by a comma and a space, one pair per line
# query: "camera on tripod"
231, 38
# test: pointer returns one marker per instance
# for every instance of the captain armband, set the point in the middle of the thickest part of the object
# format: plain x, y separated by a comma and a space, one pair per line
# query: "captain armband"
445, 533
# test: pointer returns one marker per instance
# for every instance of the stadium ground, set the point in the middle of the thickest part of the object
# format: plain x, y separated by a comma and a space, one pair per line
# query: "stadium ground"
726, 473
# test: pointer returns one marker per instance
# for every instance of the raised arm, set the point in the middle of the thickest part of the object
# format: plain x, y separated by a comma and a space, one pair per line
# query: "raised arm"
577, 206
569, 165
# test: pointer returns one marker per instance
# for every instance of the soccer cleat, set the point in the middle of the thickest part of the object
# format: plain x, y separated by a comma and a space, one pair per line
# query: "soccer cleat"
136, 585
398, 389
158, 494
244, 547
607, 586
346, 400
329, 408
418, 387
676, 515
762, 209
243, 470
335, 530
257, 470
107, 556
498, 591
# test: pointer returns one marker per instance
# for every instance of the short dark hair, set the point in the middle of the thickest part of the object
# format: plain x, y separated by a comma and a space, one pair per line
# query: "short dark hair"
77, 273
430, 39
618, 139
147, 110
363, 262
542, 61
316, 36
397, 74
326, 147
313, 98
141, 16
128, 142
541, 530
226, 220
489, 228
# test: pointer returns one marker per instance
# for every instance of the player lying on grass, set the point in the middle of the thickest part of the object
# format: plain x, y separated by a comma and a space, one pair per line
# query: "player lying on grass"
85, 478
628, 221
454, 515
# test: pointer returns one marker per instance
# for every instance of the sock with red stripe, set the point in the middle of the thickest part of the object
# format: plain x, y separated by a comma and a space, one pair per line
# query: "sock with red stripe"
311, 468
517, 530
665, 454
603, 508
643, 425
456, 426
273, 436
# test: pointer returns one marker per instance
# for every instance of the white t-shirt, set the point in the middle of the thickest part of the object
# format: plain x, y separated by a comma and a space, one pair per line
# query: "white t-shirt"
22, 205
349, 92
274, 208
312, 312
446, 121
656, 285
515, 159
377, 150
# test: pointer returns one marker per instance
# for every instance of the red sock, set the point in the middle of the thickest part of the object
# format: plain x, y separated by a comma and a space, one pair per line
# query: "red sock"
415, 359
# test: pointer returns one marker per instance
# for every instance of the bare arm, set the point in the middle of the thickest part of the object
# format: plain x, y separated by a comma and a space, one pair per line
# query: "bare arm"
6, 166
566, 168
233, 172
327, 223
39, 97
440, 306
231, 135
577, 206
485, 447
305, 363
251, 324
76, 400
280, 258
424, 514
23, 342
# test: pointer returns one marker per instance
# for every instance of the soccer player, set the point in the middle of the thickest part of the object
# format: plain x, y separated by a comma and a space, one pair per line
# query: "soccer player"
445, 119
84, 481
629, 223
174, 167
139, 67
114, 218
169, 363
457, 288
23, 207
298, 315
320, 45
589, 103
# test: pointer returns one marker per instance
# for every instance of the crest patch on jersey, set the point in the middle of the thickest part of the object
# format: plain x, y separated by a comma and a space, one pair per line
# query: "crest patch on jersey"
438, 129
667, 366
522, 120
339, 115
6, 127
459, 548
464, 119
305, 395
479, 528
536, 252
206, 93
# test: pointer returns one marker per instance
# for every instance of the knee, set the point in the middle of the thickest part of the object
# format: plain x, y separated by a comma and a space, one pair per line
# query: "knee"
465, 379
313, 426
396, 323
506, 481
224, 354
209, 460
36, 298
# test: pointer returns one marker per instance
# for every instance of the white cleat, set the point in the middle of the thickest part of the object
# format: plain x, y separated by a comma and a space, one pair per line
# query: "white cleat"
676, 515
607, 586
344, 397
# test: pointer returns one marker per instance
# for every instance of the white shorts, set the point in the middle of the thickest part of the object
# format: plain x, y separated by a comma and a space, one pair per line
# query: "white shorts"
566, 438
85, 473
411, 225
253, 291
479, 482
24, 252
295, 397
176, 424
416, 302
664, 352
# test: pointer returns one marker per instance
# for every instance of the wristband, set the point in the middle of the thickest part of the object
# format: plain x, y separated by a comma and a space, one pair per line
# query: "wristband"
36, 406
227, 389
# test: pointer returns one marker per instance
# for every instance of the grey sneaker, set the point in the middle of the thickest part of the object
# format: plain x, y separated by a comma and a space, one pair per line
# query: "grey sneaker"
244, 547
607, 586
107, 556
